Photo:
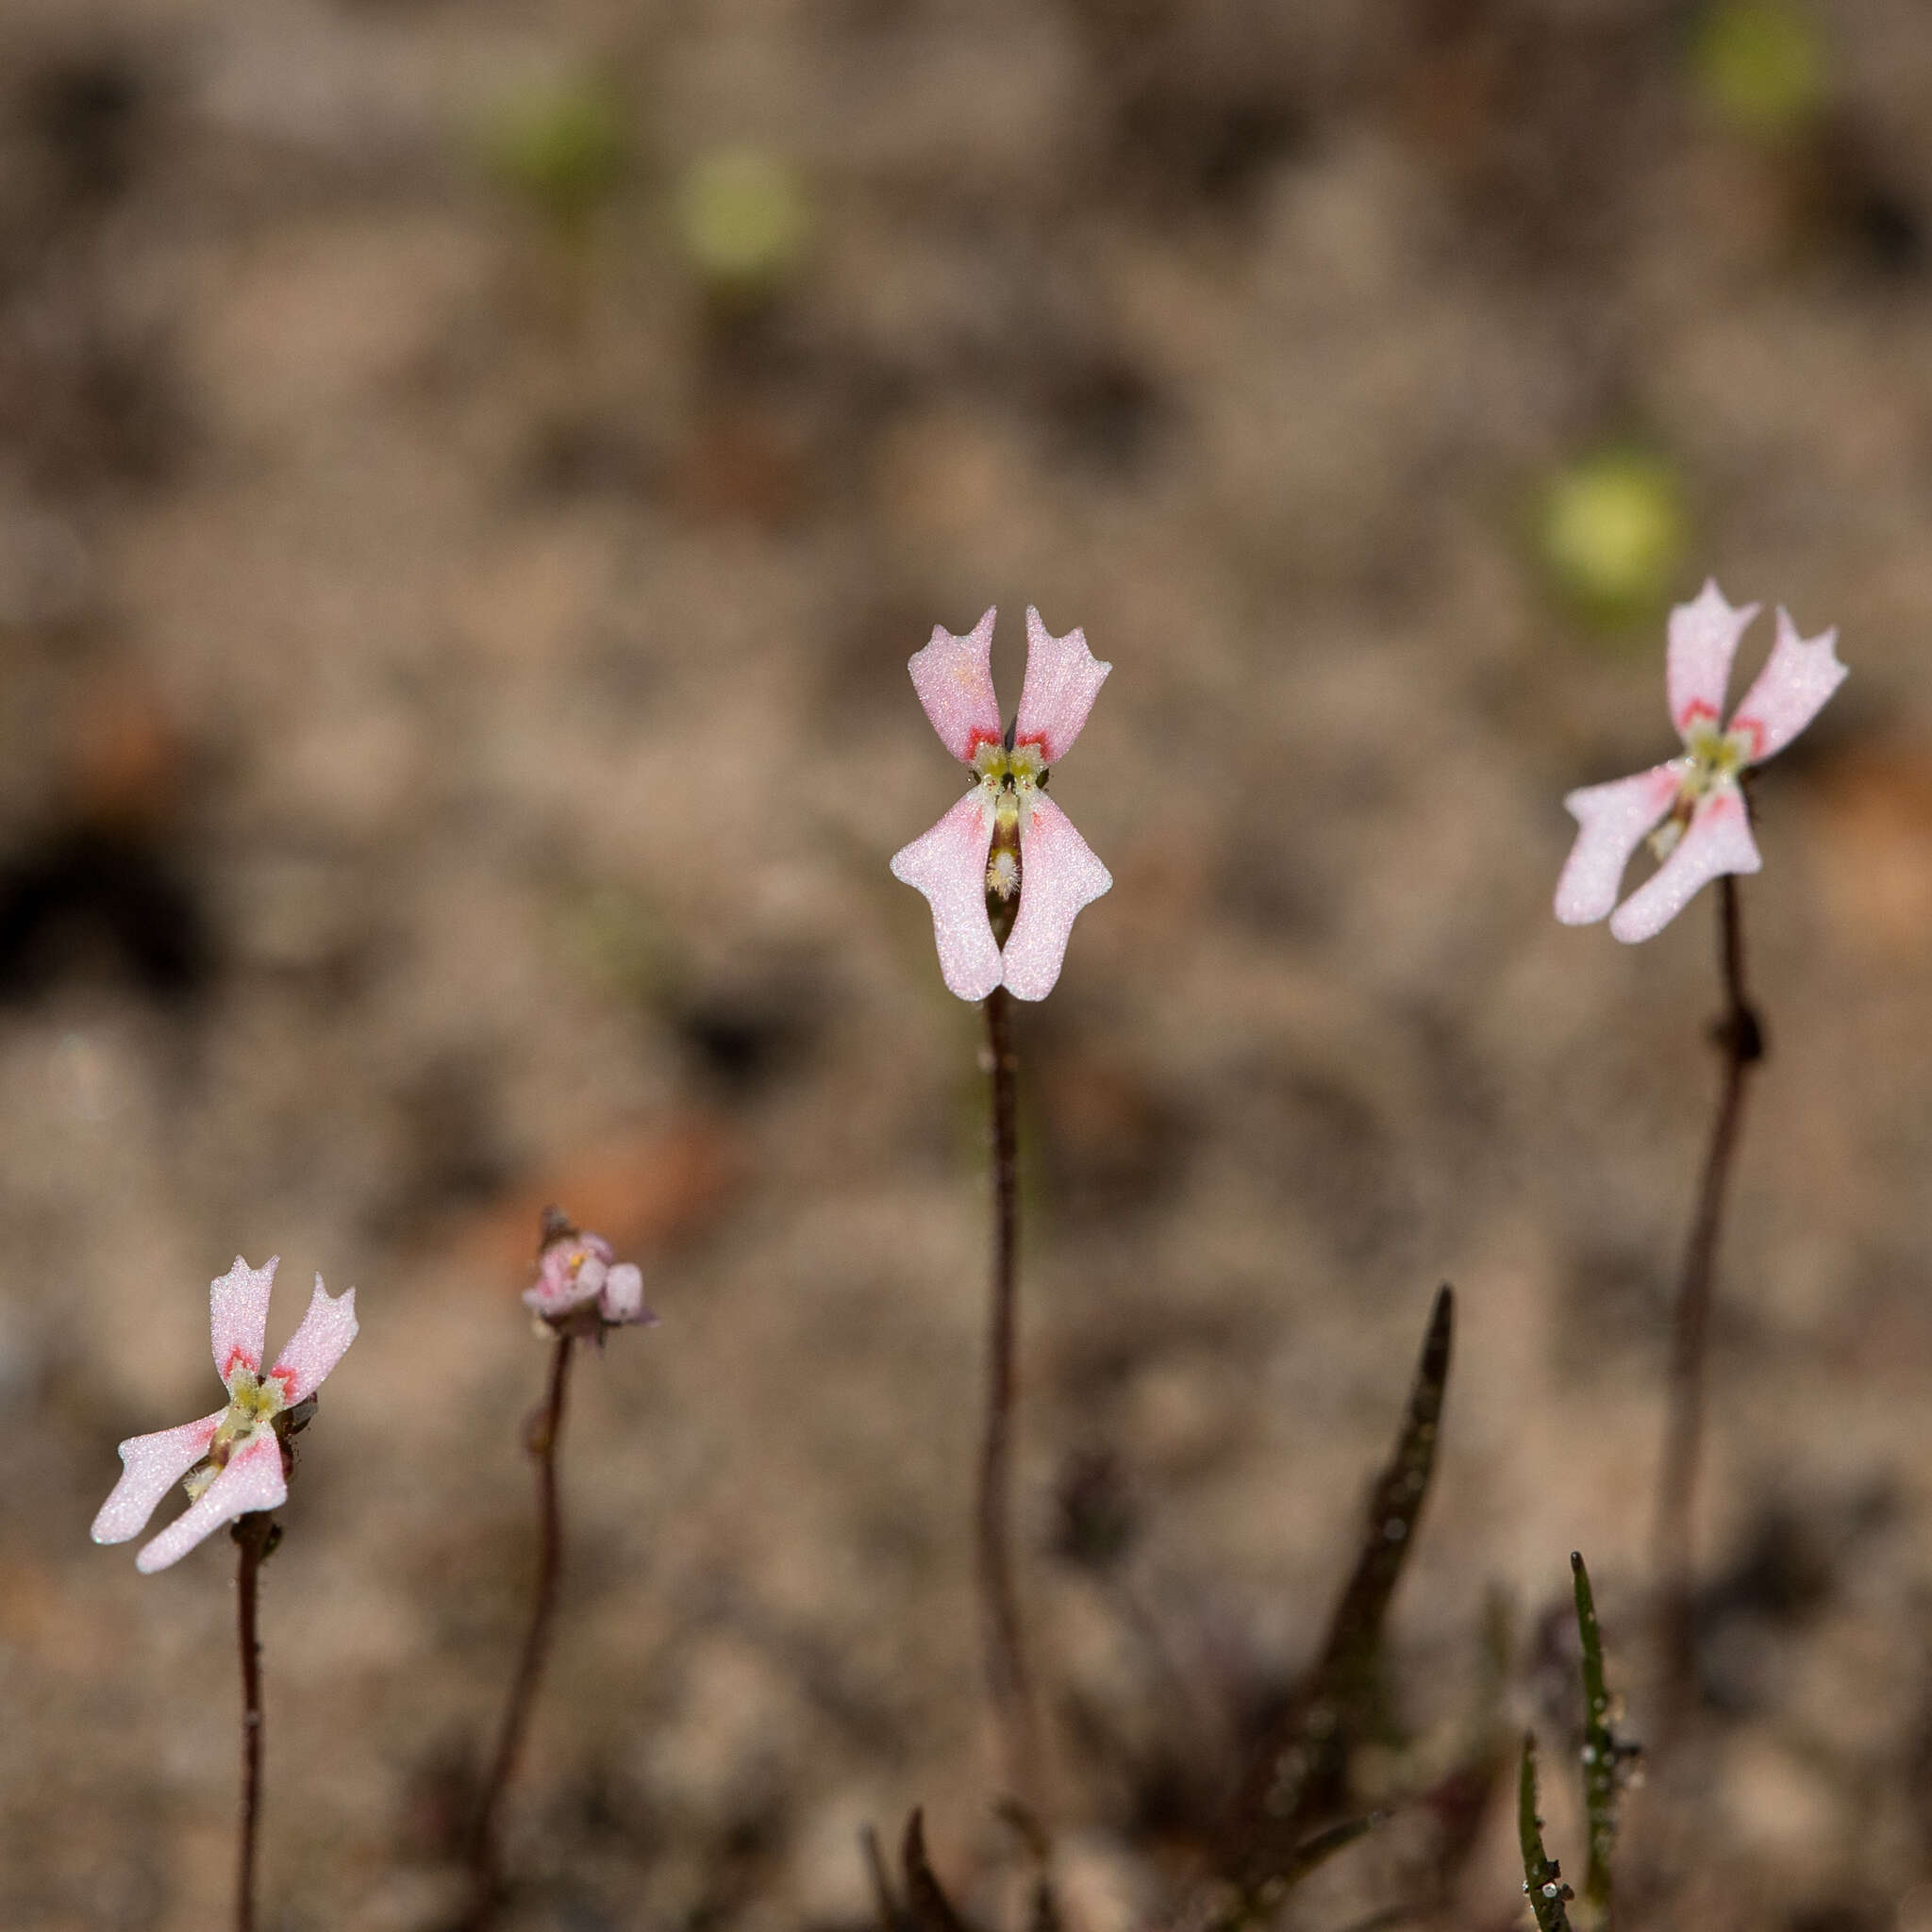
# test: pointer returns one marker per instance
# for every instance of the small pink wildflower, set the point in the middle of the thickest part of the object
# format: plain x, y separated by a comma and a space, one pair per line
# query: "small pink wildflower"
1006, 840
232, 1459
580, 1272
1692, 807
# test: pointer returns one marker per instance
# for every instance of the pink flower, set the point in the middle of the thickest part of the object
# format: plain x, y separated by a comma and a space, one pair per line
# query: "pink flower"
1692, 807
1006, 840
235, 1455
575, 1269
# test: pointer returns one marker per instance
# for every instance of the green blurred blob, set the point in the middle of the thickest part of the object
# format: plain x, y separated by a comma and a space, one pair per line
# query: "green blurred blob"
1760, 66
620, 941
561, 146
1613, 533
744, 217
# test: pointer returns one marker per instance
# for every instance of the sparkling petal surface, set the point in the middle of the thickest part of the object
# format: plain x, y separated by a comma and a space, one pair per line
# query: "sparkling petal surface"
150, 1466
1718, 840
1704, 640
253, 1480
1798, 676
1058, 874
238, 1315
948, 865
1611, 821
318, 1344
1062, 679
954, 679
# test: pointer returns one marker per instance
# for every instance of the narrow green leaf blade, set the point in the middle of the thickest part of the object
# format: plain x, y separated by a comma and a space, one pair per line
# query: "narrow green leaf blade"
1295, 1776
1543, 1878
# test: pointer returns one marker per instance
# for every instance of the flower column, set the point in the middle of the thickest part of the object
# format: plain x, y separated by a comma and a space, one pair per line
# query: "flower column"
1695, 813
1006, 875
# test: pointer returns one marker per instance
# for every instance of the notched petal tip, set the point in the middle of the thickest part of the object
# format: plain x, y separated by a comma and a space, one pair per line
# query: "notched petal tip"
1798, 678
238, 1315
1063, 676
1704, 637
952, 677
328, 1326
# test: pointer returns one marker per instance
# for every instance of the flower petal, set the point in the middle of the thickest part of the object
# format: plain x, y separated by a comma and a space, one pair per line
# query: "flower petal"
954, 679
622, 1299
1703, 639
1791, 690
1718, 840
237, 1316
948, 865
253, 1480
318, 1344
1613, 818
1058, 874
150, 1466
1062, 679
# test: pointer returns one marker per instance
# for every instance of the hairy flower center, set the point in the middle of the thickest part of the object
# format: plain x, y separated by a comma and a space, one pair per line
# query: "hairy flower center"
1010, 778
1716, 758
254, 1402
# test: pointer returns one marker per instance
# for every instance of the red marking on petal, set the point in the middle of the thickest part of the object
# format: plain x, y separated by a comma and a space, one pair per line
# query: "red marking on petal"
1038, 737
252, 1364
978, 736
286, 1378
1695, 711
1754, 730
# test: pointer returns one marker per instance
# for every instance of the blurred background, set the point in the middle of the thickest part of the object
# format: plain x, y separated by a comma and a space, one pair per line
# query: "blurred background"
471, 476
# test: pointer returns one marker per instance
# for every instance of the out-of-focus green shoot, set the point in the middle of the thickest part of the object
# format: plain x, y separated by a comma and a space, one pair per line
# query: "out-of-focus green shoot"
1612, 532
1759, 68
561, 145
1543, 1878
744, 220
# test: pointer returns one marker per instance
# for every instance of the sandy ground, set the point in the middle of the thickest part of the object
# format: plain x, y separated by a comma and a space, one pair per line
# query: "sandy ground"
454, 730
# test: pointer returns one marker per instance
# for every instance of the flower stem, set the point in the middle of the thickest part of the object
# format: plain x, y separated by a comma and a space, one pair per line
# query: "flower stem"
252, 1534
1740, 1037
542, 1439
1006, 1662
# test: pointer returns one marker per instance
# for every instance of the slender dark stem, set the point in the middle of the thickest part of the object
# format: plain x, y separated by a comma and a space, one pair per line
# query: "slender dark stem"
1739, 1037
544, 1438
252, 1535
1006, 1662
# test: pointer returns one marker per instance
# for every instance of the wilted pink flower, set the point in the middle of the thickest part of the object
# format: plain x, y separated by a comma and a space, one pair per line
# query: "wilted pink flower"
235, 1455
576, 1270
1692, 807
1006, 839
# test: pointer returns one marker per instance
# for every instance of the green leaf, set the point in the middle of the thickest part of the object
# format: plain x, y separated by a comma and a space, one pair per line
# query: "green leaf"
1300, 1770
1604, 1758
1542, 1877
